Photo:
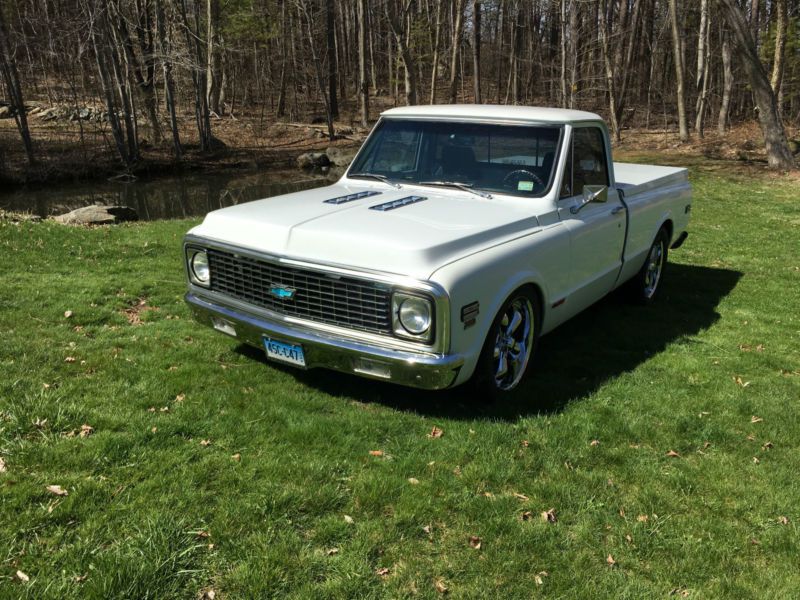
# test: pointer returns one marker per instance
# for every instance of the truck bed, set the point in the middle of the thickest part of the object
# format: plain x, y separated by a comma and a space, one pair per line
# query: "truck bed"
636, 179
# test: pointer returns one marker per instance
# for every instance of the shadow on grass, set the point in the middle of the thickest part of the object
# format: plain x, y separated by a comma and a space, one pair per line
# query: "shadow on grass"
608, 339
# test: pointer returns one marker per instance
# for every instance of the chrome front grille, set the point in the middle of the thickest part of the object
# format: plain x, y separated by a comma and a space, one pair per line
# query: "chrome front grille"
317, 296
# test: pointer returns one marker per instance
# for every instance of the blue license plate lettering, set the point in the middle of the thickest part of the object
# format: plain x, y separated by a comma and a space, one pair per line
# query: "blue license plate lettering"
288, 353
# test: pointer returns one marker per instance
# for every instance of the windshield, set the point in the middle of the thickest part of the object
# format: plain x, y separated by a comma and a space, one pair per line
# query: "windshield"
508, 159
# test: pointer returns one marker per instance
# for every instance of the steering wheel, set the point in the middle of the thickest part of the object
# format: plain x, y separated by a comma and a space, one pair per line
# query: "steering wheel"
517, 173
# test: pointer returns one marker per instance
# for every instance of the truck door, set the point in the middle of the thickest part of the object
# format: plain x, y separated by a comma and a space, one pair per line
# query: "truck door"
597, 228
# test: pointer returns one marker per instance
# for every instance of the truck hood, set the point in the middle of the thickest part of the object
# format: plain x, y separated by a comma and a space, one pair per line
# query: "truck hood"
412, 239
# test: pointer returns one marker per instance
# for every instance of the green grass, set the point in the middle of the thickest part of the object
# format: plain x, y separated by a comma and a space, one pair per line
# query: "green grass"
147, 499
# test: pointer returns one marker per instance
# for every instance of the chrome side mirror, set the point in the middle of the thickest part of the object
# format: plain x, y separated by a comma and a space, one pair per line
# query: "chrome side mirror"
591, 193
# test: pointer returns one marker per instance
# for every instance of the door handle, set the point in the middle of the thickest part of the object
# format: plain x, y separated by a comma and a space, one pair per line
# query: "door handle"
617, 209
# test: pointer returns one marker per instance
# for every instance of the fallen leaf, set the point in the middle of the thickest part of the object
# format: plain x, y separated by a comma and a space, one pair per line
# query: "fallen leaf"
642, 518
427, 529
205, 443
488, 494
751, 438
237, 457
413, 480
69, 359
538, 577
594, 443
436, 433
549, 516
519, 496
706, 445
151, 409
622, 512
610, 561
376, 452
154, 429
331, 551
783, 520
172, 368
526, 515
80, 578
67, 314
203, 534
348, 519
755, 542
673, 454
628, 538
164, 409
440, 586
382, 572
86, 431
180, 397
57, 490
755, 460
738, 380
2, 465
475, 542
755, 419
760, 348
525, 443
767, 446
22, 577
208, 595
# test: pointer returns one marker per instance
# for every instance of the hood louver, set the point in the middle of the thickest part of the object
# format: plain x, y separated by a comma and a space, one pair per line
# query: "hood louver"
401, 202
351, 197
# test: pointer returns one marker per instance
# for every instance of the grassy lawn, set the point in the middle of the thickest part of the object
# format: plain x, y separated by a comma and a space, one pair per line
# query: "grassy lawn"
208, 469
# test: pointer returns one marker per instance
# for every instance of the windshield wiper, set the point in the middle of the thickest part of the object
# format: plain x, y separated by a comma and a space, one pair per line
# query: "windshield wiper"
377, 176
467, 187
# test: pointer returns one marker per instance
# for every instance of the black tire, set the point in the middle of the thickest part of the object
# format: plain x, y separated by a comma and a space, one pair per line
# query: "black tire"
504, 339
644, 286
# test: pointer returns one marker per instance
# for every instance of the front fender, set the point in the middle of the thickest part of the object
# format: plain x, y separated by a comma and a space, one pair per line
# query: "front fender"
489, 277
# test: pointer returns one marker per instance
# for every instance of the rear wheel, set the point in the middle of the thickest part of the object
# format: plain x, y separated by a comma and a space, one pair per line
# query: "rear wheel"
510, 344
645, 285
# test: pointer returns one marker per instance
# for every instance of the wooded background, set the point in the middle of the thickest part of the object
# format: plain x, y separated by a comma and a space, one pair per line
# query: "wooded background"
136, 68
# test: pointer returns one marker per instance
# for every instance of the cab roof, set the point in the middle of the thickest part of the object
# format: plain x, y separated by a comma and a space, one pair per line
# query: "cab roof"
492, 112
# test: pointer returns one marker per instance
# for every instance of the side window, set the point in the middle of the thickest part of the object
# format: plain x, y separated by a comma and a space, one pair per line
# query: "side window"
589, 166
566, 183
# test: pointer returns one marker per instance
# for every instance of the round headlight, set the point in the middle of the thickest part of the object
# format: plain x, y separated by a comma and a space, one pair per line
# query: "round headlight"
415, 315
199, 264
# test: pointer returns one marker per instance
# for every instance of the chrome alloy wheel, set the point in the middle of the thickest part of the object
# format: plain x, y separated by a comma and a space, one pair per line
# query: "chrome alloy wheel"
655, 265
513, 343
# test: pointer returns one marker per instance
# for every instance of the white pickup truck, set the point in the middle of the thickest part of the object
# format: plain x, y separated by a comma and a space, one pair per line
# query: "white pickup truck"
458, 236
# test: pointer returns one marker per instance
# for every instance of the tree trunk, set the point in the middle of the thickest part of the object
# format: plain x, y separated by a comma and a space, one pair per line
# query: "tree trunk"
399, 26
363, 83
330, 14
456, 43
609, 69
436, 41
727, 85
776, 80
701, 81
317, 66
476, 50
778, 154
11, 78
164, 50
213, 60
678, 60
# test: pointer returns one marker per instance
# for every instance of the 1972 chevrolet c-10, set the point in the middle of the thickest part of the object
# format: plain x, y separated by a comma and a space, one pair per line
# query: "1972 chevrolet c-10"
457, 237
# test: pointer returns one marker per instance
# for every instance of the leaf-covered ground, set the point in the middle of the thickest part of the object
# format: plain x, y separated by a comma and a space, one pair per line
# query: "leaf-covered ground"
654, 452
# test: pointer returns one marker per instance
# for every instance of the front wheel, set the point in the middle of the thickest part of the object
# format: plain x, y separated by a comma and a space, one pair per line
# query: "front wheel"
510, 344
645, 285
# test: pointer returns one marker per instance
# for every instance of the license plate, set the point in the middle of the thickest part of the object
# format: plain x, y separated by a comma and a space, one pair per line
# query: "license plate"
288, 353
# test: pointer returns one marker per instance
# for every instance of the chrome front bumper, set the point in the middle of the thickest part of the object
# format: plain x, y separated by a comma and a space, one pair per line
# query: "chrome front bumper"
329, 351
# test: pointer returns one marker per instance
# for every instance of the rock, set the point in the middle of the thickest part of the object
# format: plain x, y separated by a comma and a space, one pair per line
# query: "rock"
344, 131
341, 157
5, 112
794, 146
98, 215
84, 114
313, 159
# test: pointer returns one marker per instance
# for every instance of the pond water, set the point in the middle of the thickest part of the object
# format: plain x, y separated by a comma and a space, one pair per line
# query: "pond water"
165, 197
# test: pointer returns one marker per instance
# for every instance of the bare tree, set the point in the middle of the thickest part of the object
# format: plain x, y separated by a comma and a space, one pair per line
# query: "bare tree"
363, 81
11, 79
780, 50
677, 53
454, 48
476, 49
778, 154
